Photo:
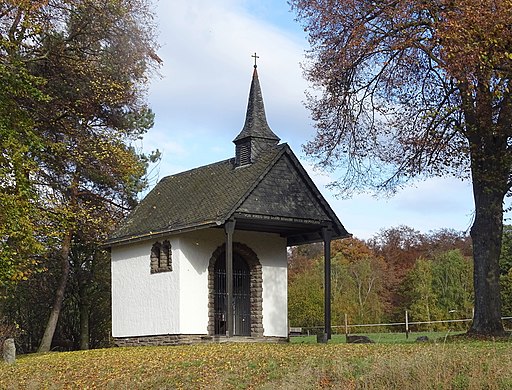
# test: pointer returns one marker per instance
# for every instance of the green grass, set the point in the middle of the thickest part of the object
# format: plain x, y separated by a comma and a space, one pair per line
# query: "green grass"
441, 365
381, 338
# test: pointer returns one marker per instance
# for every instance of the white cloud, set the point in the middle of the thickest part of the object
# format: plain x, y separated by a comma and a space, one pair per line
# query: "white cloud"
206, 49
432, 204
445, 195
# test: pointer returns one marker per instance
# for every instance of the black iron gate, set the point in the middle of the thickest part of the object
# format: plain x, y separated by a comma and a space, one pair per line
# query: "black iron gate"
241, 296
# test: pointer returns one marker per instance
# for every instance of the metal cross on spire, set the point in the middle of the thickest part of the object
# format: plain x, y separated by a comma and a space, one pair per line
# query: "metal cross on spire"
255, 59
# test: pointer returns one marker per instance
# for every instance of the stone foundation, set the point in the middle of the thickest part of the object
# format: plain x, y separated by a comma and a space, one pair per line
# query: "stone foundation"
182, 339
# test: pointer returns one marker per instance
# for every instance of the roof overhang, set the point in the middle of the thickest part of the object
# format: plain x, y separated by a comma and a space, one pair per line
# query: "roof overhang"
155, 235
296, 231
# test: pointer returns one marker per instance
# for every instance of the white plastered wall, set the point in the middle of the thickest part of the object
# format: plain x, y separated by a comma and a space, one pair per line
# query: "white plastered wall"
143, 304
177, 302
197, 248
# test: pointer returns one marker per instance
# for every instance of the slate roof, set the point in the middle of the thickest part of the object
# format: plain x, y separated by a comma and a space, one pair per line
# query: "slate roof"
210, 195
255, 119
272, 193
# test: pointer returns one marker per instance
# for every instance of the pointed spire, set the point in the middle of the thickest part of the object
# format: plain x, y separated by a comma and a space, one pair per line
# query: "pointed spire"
255, 120
256, 134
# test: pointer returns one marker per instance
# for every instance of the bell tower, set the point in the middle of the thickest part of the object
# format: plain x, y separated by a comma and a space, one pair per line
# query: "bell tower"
256, 135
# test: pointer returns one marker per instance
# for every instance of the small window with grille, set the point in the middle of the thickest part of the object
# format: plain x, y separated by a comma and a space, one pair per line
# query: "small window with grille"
161, 260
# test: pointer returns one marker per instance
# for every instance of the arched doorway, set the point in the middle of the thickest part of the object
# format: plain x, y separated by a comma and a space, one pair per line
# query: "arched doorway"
241, 296
247, 292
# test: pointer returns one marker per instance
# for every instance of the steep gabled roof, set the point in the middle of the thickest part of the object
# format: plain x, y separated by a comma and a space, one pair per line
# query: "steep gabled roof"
274, 192
265, 188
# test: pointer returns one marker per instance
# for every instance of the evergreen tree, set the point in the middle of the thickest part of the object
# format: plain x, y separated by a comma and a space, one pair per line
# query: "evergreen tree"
91, 59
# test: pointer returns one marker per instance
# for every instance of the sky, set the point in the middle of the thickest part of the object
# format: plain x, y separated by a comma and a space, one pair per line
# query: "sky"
200, 101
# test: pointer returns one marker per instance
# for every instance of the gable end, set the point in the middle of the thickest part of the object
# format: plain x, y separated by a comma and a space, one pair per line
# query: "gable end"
284, 192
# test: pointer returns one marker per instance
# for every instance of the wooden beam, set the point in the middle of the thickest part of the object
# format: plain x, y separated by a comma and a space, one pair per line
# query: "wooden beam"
229, 228
327, 236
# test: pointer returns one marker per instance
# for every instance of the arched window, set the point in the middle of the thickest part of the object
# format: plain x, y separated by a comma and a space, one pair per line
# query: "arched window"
161, 257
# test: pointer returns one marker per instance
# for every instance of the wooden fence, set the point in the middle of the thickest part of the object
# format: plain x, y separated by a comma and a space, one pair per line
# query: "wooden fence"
347, 327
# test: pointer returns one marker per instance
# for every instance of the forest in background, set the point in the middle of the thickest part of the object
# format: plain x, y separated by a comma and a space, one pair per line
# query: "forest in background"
375, 281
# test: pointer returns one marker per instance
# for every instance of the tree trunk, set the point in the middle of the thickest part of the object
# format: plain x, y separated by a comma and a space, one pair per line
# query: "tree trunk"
84, 310
490, 170
486, 234
84, 326
46, 341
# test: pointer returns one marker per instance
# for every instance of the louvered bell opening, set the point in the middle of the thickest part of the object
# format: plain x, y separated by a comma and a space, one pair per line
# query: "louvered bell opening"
243, 154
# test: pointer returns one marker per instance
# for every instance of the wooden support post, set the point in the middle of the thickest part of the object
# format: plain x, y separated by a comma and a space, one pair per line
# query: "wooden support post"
229, 227
406, 324
327, 236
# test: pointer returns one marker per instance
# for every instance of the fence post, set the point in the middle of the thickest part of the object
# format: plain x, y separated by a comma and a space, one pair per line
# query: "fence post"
406, 324
346, 324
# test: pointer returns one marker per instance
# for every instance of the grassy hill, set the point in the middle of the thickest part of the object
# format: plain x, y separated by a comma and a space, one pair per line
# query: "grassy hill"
454, 365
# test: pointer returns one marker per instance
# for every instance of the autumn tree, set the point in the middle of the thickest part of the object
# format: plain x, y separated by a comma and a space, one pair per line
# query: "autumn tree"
401, 247
93, 58
418, 88
506, 271
302, 257
419, 289
357, 283
506, 293
443, 240
506, 250
439, 288
453, 284
360, 289
19, 215
306, 298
